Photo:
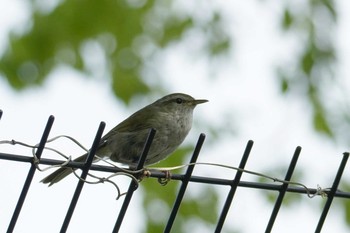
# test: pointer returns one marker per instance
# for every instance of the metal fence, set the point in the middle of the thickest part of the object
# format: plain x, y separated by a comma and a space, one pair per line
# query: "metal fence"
185, 178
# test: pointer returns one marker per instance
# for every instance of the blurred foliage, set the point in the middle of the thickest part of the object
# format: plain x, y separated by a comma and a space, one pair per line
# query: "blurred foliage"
307, 72
126, 34
312, 22
312, 73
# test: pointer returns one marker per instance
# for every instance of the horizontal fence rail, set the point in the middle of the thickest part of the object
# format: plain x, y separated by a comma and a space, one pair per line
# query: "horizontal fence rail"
185, 179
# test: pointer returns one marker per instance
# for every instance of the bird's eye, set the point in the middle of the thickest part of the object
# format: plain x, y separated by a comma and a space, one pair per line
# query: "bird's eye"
179, 100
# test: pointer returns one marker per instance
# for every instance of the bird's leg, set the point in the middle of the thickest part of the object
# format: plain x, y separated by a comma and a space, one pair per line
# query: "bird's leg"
147, 173
139, 174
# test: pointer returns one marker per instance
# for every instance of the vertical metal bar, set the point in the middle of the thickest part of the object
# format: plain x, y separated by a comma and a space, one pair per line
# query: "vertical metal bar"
87, 164
332, 192
184, 184
30, 175
132, 185
283, 190
0, 114
233, 187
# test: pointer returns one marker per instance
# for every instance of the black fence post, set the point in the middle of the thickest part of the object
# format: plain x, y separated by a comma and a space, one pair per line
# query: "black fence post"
332, 192
30, 175
87, 164
184, 184
283, 190
132, 185
234, 186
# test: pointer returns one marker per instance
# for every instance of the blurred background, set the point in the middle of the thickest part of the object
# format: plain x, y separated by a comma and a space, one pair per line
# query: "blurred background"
274, 72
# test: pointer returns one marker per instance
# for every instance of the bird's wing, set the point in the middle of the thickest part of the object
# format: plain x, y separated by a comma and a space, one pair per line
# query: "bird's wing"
135, 123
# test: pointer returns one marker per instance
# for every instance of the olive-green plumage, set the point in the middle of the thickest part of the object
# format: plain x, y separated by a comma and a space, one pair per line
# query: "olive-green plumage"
170, 116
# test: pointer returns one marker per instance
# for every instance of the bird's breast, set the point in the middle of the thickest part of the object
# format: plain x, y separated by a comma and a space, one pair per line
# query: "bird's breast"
176, 127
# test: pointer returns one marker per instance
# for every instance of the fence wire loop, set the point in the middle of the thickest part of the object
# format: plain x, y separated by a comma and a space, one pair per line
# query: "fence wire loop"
322, 192
319, 191
36, 161
138, 175
165, 180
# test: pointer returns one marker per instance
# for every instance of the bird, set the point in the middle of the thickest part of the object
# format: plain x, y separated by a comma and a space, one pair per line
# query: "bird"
171, 116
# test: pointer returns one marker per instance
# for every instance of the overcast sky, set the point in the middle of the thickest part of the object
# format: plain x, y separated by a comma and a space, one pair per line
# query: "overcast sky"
245, 90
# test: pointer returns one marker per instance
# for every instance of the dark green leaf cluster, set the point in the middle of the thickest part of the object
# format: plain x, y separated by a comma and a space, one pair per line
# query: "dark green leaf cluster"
128, 33
309, 72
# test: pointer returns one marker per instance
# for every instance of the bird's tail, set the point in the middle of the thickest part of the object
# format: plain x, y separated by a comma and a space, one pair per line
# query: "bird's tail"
62, 172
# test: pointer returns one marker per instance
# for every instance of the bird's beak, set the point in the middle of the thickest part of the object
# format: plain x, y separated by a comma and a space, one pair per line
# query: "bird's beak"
195, 102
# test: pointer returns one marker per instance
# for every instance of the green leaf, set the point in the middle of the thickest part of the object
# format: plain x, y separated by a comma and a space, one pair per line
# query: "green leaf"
126, 84
321, 124
284, 83
287, 19
174, 30
307, 61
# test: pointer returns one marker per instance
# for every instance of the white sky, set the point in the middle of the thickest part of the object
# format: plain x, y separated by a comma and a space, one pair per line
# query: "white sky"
247, 90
